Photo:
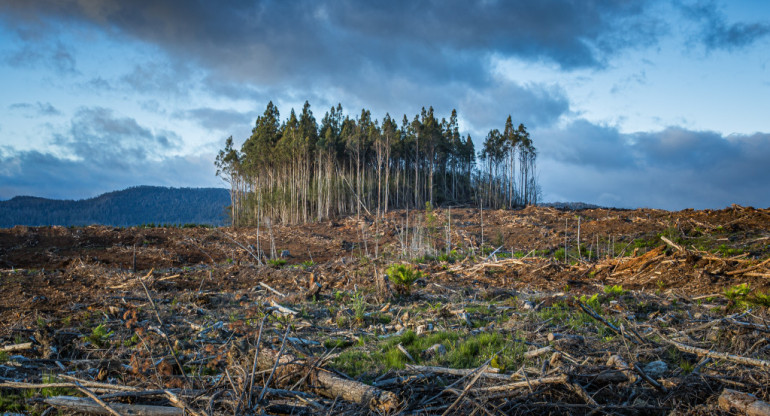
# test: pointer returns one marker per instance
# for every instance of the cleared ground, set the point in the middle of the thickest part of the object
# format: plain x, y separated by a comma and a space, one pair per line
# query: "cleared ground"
619, 326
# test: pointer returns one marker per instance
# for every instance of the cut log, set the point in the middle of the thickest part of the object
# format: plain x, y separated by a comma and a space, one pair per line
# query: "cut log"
84, 405
17, 347
744, 403
291, 369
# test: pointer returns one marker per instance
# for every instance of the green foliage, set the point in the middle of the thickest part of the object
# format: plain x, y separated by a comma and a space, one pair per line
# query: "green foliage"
131, 341
728, 251
741, 296
308, 264
760, 299
277, 263
403, 276
593, 301
614, 291
462, 352
738, 293
99, 336
450, 257
3, 356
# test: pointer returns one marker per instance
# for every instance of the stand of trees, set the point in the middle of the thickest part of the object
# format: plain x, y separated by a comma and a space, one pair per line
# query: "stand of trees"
296, 170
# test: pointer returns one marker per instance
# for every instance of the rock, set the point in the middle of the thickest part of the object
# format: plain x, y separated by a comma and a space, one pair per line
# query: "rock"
435, 350
285, 254
655, 369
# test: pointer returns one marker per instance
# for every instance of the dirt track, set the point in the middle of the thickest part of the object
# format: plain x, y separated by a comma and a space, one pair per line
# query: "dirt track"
57, 281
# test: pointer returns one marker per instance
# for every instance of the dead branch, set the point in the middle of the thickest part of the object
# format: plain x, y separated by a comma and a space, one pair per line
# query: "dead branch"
83, 405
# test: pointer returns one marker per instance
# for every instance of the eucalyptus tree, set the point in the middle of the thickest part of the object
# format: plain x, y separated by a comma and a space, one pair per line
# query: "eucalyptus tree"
297, 171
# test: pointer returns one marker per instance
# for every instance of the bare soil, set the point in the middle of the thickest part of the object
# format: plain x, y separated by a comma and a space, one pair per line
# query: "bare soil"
507, 276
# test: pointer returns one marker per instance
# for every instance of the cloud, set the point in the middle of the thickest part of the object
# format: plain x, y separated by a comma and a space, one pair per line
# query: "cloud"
98, 136
46, 175
158, 78
35, 110
48, 53
429, 41
673, 169
716, 33
216, 119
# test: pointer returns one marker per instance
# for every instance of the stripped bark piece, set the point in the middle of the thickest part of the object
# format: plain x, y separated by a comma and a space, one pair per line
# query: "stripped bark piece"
745, 403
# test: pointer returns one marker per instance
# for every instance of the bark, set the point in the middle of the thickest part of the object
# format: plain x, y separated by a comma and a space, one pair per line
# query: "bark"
291, 369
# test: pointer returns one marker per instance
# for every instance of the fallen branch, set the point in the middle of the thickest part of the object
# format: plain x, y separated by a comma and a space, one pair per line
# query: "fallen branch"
672, 244
289, 369
720, 355
84, 405
748, 404
456, 371
17, 347
562, 379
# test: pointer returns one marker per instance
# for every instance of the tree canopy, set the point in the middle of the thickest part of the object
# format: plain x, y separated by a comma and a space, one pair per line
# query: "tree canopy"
296, 170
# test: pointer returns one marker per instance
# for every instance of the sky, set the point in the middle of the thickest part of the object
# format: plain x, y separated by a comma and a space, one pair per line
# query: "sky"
660, 104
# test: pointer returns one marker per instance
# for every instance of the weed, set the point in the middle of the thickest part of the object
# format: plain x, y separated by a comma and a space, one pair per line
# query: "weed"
3, 356
359, 308
131, 341
99, 336
728, 251
336, 343
594, 301
737, 293
277, 263
403, 276
614, 291
308, 264
760, 299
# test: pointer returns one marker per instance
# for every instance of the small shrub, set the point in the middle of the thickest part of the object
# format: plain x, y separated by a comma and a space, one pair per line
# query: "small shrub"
737, 293
594, 301
403, 276
760, 299
277, 263
99, 336
614, 291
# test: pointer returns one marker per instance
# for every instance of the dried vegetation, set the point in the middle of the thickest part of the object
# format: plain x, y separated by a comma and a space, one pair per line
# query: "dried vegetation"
653, 312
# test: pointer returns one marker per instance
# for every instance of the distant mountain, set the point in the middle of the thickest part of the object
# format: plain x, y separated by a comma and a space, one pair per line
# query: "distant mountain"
570, 206
132, 206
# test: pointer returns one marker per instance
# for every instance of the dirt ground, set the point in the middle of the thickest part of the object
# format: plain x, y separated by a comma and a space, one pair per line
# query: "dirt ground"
57, 285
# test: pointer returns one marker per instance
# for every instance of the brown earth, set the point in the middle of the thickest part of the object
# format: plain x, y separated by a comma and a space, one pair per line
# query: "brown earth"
52, 278
42, 267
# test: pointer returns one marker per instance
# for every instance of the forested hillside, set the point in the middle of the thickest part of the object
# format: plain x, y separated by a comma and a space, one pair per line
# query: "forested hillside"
132, 206
297, 170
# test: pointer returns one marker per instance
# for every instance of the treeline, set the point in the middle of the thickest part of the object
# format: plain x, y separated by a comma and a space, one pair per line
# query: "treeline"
296, 170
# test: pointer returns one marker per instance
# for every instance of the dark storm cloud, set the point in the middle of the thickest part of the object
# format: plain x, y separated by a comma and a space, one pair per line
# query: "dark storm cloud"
434, 41
673, 168
37, 109
42, 174
717, 33
97, 135
216, 119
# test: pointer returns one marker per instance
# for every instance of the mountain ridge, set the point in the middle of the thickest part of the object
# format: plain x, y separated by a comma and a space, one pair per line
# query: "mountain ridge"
128, 207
